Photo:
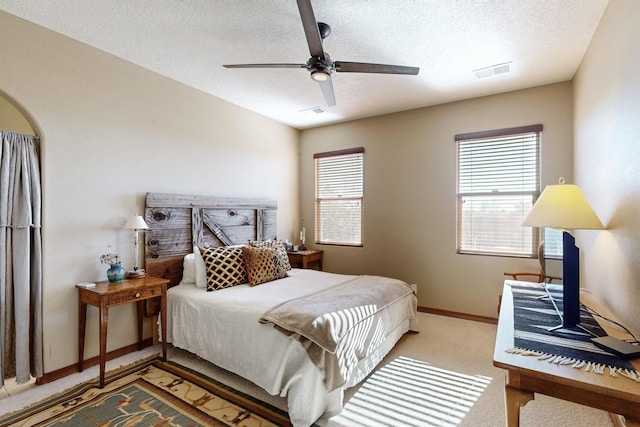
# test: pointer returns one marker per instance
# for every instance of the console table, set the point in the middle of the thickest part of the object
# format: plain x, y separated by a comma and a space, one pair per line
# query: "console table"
527, 375
105, 295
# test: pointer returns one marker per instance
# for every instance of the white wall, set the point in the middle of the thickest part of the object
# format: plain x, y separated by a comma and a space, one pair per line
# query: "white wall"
607, 159
410, 187
110, 132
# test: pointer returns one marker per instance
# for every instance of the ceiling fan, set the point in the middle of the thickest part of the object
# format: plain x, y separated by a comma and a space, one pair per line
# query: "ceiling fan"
320, 65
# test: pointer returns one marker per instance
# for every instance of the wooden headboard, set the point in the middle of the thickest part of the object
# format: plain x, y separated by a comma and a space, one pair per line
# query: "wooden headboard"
177, 222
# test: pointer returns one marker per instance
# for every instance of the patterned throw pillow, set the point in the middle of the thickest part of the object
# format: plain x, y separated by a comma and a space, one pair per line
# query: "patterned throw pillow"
263, 265
277, 245
225, 267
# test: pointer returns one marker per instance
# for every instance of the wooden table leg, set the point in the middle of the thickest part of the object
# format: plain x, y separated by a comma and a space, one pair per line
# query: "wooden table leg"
140, 310
514, 399
155, 336
82, 327
104, 320
163, 321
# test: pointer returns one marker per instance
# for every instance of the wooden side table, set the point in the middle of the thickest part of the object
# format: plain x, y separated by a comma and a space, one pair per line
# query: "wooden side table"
529, 375
105, 295
301, 259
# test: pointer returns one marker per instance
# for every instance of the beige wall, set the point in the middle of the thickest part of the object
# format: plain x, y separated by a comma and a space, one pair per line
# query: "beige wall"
12, 119
410, 185
607, 159
111, 132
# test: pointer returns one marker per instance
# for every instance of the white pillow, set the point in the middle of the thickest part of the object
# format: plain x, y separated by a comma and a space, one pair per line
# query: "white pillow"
201, 269
189, 269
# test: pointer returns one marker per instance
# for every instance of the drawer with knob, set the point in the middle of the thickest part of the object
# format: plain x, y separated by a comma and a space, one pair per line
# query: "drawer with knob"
131, 295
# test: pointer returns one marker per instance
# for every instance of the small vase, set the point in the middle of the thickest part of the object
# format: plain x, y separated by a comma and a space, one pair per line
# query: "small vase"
115, 274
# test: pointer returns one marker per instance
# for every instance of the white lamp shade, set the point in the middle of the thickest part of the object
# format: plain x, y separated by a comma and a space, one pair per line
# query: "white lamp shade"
136, 223
563, 206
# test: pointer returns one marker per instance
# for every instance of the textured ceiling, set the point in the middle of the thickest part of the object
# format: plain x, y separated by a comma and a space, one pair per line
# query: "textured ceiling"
189, 40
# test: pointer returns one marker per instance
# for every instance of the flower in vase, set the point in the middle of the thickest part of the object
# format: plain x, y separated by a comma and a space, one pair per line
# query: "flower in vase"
110, 258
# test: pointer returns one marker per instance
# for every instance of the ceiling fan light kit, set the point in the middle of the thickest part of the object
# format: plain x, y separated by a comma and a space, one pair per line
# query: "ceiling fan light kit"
320, 69
320, 75
320, 65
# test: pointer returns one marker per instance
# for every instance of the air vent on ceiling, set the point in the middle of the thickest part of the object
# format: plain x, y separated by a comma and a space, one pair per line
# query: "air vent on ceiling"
314, 110
493, 70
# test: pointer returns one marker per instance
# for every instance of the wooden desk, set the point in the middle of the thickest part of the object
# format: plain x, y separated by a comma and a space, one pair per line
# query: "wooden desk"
106, 295
301, 259
527, 375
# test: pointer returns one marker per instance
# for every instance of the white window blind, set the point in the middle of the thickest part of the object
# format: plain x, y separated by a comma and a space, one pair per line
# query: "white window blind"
498, 183
552, 243
339, 197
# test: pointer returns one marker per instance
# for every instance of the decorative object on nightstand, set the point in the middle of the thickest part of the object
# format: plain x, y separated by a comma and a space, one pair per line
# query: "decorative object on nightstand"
303, 238
115, 273
565, 207
136, 223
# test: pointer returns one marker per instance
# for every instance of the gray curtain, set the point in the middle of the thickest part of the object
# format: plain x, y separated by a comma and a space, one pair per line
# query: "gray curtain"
20, 258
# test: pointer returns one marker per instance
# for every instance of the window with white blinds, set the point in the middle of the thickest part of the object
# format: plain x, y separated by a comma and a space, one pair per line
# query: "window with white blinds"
552, 243
498, 183
339, 197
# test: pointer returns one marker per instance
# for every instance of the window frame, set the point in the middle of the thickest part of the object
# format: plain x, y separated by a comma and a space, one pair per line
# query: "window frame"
358, 151
534, 193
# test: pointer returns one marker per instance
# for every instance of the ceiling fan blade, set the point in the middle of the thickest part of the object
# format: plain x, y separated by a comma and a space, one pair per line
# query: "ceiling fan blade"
364, 67
327, 91
266, 66
310, 26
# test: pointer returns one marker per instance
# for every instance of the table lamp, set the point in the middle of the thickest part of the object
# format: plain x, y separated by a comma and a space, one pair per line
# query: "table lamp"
565, 207
135, 223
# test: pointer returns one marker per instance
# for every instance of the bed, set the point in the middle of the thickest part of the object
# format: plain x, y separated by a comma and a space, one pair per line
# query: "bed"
349, 323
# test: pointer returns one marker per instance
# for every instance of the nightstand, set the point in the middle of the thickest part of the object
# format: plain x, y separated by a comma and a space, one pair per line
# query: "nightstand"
301, 259
105, 295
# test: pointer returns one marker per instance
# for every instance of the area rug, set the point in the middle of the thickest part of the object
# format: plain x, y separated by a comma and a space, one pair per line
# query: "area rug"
534, 315
152, 393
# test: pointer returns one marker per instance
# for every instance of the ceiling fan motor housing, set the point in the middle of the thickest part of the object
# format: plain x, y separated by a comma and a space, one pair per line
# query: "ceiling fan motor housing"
320, 69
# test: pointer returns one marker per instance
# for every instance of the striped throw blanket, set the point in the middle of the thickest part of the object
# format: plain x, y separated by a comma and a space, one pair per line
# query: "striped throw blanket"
341, 325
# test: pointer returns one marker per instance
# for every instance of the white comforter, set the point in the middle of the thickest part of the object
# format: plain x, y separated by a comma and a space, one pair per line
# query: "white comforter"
223, 327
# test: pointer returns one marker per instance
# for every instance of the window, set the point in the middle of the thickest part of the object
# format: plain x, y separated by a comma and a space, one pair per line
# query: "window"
552, 243
498, 183
339, 196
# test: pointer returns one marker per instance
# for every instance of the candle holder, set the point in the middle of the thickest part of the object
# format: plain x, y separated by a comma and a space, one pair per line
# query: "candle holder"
303, 238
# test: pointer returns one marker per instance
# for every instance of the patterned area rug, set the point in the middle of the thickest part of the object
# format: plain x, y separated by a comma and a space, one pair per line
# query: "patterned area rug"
534, 315
153, 393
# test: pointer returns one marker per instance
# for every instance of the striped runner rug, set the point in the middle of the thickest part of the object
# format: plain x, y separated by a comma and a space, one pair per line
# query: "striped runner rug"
534, 315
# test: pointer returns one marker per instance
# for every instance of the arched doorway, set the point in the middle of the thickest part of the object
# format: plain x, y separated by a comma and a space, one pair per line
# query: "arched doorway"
20, 246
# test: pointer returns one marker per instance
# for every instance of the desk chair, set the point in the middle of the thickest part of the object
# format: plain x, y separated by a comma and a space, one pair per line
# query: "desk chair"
539, 277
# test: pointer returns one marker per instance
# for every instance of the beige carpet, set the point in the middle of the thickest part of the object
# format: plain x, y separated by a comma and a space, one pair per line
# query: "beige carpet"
448, 354
466, 347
